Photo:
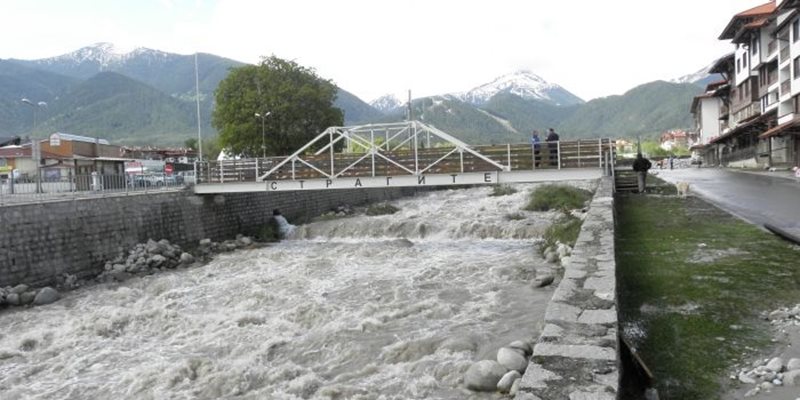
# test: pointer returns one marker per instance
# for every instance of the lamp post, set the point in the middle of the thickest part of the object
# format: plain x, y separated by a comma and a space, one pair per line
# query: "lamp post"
263, 135
35, 151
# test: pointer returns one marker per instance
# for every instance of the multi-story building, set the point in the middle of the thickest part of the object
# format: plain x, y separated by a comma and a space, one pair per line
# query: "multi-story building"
758, 107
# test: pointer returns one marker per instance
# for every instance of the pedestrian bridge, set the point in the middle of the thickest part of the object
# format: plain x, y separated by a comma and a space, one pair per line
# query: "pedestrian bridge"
405, 154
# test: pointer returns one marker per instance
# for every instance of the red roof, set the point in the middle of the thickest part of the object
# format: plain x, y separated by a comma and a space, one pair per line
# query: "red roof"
25, 152
764, 10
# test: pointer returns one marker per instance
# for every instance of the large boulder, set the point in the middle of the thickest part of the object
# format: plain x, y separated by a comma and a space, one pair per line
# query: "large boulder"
27, 298
484, 375
523, 346
792, 378
793, 364
186, 258
775, 364
46, 295
512, 359
12, 299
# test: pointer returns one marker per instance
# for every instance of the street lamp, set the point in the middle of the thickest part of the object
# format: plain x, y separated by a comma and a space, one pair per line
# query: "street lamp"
40, 104
263, 135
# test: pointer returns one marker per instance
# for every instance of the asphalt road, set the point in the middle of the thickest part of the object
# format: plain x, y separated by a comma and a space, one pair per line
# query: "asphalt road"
760, 198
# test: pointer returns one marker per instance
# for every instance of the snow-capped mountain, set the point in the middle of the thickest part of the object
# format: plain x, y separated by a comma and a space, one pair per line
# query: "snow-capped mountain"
386, 103
522, 83
701, 77
100, 57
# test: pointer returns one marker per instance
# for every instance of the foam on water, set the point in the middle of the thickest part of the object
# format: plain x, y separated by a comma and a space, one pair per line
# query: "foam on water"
354, 313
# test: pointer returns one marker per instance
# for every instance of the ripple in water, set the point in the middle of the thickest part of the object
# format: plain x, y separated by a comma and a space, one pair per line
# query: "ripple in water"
390, 307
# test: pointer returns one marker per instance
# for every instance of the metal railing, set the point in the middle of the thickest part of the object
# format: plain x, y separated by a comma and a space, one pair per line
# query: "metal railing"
583, 153
22, 191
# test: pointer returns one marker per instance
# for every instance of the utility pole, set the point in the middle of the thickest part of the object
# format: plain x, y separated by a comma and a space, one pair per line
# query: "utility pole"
197, 99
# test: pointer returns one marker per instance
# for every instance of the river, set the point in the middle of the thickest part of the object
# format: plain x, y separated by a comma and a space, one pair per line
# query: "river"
386, 307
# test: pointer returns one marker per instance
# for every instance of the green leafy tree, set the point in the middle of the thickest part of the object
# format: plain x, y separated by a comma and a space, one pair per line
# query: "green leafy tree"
300, 104
190, 143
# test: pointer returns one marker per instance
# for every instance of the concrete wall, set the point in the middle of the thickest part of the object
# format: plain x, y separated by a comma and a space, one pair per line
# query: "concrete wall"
39, 242
576, 356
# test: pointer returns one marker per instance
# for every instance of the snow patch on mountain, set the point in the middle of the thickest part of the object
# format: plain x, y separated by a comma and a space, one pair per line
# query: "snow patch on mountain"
102, 54
386, 103
693, 77
522, 83
504, 122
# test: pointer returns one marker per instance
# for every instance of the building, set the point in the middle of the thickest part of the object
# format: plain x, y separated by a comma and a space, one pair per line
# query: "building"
63, 155
758, 104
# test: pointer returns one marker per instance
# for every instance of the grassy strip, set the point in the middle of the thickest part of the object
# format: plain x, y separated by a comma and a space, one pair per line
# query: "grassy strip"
557, 197
692, 282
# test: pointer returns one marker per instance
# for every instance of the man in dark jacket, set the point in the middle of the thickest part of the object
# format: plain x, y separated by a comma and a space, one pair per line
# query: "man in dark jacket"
552, 139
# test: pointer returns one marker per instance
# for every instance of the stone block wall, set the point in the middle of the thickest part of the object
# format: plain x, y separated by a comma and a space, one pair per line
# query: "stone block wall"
39, 242
577, 354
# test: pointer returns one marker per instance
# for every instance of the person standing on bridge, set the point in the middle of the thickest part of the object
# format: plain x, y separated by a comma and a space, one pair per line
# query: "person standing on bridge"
552, 139
535, 140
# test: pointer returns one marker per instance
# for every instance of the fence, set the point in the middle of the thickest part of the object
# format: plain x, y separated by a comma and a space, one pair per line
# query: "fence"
85, 186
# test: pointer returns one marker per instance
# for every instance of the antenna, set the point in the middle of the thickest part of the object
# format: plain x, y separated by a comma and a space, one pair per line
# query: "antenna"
197, 98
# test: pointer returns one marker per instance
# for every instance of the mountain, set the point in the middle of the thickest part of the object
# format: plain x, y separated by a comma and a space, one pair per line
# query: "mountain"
701, 77
171, 73
387, 103
355, 109
18, 82
123, 110
524, 84
644, 110
526, 115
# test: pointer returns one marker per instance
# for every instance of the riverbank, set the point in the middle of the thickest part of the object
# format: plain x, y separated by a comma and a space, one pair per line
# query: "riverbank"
694, 284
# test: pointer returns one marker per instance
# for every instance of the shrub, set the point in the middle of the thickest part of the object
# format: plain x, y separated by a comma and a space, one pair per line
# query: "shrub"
565, 230
557, 197
381, 209
502, 190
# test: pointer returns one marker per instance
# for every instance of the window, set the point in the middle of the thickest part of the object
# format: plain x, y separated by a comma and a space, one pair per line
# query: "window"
754, 45
795, 30
744, 61
796, 67
738, 65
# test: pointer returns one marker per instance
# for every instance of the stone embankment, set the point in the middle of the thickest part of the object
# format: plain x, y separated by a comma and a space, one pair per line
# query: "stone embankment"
576, 356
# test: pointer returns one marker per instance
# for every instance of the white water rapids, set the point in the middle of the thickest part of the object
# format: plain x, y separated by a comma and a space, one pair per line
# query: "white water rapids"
387, 307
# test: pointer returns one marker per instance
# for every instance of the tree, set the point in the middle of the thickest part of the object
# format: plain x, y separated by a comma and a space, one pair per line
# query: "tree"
190, 143
299, 102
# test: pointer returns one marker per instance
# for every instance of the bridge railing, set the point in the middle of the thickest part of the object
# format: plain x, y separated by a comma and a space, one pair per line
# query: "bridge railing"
582, 153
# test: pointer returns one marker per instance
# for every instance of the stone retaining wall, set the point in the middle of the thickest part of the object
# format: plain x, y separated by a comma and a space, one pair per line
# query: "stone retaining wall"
576, 356
40, 242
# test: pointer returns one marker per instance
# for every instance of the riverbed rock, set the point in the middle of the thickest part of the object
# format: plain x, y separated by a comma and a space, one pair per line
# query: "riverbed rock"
562, 250
245, 241
792, 378
543, 280
521, 345
484, 375
20, 289
205, 242
156, 261
512, 359
12, 299
514, 387
746, 379
775, 364
186, 258
505, 383
27, 297
551, 257
778, 315
793, 364
46, 295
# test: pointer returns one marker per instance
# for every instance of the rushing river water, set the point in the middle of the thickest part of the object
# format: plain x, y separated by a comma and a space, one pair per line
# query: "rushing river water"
388, 307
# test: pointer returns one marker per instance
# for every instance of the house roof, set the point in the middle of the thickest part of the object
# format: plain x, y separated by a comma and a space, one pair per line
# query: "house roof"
723, 65
745, 17
789, 4
760, 122
25, 152
792, 127
756, 24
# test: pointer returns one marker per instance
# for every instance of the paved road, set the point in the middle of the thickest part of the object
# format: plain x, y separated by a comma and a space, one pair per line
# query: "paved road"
757, 197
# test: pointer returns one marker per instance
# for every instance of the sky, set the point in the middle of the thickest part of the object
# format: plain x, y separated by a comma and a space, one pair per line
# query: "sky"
593, 48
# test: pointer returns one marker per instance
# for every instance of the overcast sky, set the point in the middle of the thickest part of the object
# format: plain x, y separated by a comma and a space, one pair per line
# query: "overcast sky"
593, 48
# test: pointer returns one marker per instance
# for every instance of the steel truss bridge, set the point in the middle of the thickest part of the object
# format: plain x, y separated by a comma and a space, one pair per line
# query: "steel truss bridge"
405, 154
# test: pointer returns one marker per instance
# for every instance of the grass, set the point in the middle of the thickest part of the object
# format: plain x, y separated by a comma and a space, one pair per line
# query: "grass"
696, 307
502, 190
381, 209
565, 230
557, 197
